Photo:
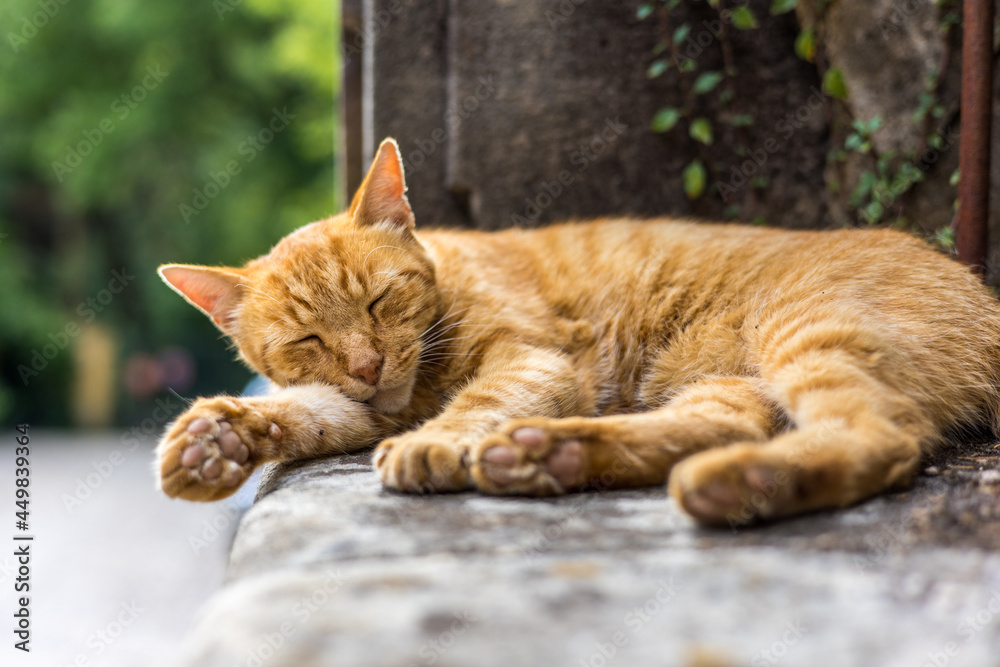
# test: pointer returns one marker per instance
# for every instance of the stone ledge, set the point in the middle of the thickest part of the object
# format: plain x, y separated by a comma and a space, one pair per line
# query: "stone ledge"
333, 569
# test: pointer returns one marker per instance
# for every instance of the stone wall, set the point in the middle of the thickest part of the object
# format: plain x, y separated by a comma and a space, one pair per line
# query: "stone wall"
531, 112
542, 109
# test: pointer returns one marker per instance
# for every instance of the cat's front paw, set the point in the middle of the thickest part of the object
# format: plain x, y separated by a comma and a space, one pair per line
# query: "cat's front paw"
209, 451
422, 463
532, 457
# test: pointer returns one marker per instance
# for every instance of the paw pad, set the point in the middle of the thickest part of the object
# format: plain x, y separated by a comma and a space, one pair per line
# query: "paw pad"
530, 460
214, 454
211, 455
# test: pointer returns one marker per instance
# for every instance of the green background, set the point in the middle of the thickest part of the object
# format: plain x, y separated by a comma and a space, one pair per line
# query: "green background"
64, 70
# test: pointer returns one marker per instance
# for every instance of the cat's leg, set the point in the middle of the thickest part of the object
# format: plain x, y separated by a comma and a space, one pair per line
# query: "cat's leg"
857, 435
514, 380
210, 450
551, 456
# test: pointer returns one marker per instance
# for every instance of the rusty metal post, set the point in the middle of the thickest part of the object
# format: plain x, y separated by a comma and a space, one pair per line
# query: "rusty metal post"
974, 148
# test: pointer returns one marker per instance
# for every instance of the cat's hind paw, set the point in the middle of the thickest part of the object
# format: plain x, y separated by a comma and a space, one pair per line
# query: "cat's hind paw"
209, 452
733, 486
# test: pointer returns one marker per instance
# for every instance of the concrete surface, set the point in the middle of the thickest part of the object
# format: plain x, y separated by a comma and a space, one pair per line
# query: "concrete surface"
329, 569
118, 570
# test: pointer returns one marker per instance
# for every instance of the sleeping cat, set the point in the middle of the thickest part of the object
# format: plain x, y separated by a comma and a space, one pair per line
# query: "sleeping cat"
764, 372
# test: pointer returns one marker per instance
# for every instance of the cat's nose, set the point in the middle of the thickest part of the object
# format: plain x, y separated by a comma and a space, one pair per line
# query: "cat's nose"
367, 368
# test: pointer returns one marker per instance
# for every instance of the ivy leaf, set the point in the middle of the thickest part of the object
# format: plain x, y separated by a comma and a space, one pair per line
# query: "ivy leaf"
869, 127
805, 45
644, 11
657, 68
683, 30
946, 237
866, 182
694, 179
688, 65
665, 119
701, 130
743, 18
855, 142
833, 83
782, 6
742, 120
706, 82
874, 212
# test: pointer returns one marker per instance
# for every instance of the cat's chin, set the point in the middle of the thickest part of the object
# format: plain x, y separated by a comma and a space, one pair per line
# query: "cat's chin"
392, 400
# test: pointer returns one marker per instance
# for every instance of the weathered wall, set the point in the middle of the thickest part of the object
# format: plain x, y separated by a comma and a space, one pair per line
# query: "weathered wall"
492, 101
530, 112
888, 51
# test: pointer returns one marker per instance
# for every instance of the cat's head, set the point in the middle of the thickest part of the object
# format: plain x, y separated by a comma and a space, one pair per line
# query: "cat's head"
342, 301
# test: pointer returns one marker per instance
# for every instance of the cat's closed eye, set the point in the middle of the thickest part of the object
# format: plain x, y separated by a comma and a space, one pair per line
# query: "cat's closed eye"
371, 306
312, 339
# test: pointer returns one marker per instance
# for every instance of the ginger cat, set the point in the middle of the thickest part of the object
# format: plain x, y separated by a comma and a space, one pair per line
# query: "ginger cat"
764, 372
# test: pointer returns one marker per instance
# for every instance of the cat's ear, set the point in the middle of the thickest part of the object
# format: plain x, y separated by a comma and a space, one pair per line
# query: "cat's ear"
215, 292
382, 195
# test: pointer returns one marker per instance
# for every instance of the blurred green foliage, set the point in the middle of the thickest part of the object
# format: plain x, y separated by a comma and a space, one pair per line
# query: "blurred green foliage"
149, 101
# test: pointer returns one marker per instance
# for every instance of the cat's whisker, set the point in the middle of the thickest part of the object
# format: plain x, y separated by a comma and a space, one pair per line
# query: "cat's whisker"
449, 355
448, 312
434, 335
442, 336
268, 330
364, 261
454, 338
440, 323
